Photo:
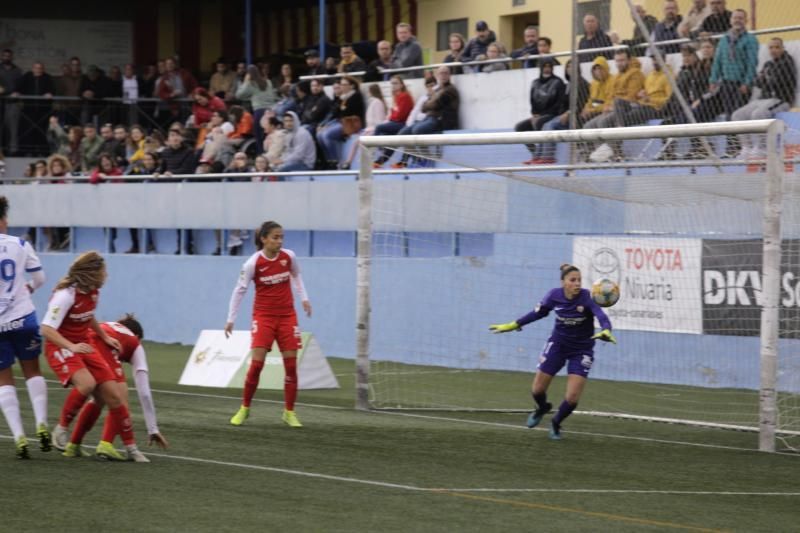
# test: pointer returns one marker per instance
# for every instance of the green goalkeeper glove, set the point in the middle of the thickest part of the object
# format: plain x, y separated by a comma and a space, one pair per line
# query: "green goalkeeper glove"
605, 335
504, 328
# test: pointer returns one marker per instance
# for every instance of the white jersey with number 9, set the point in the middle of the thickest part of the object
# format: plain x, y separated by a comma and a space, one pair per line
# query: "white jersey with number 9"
16, 258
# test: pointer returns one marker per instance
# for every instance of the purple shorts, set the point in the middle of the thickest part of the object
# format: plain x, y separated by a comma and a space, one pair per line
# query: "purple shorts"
555, 356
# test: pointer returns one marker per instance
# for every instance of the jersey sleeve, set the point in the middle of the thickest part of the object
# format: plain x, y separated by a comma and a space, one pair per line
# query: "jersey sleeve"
245, 276
539, 312
297, 278
598, 312
58, 307
141, 376
33, 266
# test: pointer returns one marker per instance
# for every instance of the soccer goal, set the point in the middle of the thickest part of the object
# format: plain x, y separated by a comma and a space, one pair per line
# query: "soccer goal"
706, 253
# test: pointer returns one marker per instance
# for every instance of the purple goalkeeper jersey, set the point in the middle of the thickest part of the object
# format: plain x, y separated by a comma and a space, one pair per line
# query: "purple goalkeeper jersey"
574, 325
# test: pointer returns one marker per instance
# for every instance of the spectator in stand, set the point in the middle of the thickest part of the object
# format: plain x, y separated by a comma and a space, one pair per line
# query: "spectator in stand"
719, 21
178, 158
732, 75
261, 93
66, 143
693, 21
594, 37
131, 91
543, 47
707, 52
120, 149
407, 51
317, 107
692, 83
778, 83
286, 101
314, 66
274, 142
547, 151
667, 29
69, 84
134, 148
375, 115
115, 82
350, 62
57, 238
649, 105
456, 43
349, 119
91, 144
106, 168
300, 151
221, 82
285, 77
214, 136
149, 77
331, 118
650, 23
416, 116
107, 136
496, 50
404, 112
547, 102
477, 45
530, 48
10, 75
39, 83
441, 109
301, 96
174, 83
146, 166
95, 84
113, 145
627, 84
239, 164
331, 67
601, 91
203, 107
384, 61
243, 128
240, 73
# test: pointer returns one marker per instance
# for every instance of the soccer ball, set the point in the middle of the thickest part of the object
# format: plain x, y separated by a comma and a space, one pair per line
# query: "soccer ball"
605, 292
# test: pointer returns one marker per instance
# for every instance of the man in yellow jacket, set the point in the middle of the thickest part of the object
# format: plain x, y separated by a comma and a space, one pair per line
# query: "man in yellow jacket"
626, 86
601, 90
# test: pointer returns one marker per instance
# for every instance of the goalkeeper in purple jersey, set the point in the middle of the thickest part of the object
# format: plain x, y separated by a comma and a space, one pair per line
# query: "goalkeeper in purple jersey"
571, 343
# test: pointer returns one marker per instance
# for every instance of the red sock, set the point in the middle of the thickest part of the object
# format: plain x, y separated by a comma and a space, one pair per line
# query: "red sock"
72, 406
89, 415
120, 423
251, 381
290, 382
109, 429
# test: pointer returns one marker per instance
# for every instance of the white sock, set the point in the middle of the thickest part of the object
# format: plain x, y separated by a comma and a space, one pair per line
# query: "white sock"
37, 391
10, 407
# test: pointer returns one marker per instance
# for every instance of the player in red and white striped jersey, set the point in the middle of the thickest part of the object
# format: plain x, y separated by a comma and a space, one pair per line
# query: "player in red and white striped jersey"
271, 270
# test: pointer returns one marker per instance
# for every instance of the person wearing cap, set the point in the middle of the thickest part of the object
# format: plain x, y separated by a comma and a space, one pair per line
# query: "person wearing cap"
407, 51
477, 45
547, 100
313, 63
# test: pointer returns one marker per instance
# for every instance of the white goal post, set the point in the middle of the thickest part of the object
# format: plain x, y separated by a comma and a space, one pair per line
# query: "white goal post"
386, 205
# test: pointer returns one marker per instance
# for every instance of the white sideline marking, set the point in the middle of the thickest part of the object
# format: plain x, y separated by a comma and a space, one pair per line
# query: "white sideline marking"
480, 422
413, 488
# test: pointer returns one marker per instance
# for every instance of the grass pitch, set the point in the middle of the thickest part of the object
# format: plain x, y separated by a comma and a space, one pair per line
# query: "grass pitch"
376, 471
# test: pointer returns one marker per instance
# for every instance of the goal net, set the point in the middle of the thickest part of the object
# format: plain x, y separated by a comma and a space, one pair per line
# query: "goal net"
706, 253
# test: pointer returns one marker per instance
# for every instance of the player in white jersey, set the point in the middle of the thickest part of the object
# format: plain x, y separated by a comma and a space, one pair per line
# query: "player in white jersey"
19, 334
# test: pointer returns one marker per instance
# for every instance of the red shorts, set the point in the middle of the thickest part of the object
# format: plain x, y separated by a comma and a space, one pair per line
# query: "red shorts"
265, 330
113, 362
65, 363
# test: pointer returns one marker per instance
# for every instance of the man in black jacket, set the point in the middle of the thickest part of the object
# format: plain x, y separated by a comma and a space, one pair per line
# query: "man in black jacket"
547, 101
719, 21
317, 107
178, 158
778, 83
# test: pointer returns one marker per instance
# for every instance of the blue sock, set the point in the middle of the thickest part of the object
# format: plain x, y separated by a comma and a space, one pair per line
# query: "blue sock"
540, 399
564, 410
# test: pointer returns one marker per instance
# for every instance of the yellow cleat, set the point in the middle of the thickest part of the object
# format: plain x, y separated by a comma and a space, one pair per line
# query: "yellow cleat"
45, 441
105, 450
291, 419
22, 448
241, 415
74, 450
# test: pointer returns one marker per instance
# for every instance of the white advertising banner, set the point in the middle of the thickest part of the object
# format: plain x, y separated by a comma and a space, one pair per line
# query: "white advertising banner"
96, 42
659, 280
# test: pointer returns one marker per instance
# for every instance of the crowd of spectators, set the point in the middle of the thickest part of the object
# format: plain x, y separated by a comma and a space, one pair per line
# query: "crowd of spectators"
245, 120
